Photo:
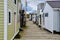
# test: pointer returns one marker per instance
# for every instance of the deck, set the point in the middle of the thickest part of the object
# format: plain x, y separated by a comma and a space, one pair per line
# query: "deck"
33, 32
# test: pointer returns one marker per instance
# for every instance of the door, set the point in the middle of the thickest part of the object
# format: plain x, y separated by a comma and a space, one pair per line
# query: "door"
56, 21
40, 20
14, 22
43, 19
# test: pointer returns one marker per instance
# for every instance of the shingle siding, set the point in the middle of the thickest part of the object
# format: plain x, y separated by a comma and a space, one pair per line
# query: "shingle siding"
54, 4
1, 19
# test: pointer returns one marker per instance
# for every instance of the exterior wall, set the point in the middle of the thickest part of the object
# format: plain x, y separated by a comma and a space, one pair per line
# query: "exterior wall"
48, 20
38, 10
34, 18
1, 19
12, 7
30, 17
19, 8
56, 21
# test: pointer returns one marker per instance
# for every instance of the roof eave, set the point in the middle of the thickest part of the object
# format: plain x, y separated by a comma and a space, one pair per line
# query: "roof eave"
58, 9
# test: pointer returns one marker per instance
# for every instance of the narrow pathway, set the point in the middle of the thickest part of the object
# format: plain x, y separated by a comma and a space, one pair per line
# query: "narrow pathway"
33, 32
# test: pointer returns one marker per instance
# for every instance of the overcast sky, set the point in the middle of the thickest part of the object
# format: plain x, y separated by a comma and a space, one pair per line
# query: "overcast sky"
33, 3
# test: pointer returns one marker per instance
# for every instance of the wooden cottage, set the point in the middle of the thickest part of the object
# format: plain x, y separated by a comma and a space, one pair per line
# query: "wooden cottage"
9, 27
40, 8
34, 18
52, 16
30, 16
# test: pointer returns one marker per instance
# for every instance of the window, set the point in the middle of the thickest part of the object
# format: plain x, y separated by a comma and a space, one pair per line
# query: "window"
46, 14
9, 19
15, 1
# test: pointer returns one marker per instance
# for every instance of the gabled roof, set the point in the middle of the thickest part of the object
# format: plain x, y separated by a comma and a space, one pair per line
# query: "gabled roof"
40, 5
54, 4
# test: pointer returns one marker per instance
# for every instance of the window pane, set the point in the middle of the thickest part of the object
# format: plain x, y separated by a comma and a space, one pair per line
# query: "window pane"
9, 17
15, 1
46, 14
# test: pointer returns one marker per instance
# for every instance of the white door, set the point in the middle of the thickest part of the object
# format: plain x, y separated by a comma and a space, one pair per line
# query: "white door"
14, 22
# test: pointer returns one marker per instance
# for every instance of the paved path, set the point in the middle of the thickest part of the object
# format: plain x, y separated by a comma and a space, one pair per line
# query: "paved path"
33, 32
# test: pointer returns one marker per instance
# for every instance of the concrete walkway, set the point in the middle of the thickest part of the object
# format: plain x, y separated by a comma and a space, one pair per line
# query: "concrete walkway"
33, 32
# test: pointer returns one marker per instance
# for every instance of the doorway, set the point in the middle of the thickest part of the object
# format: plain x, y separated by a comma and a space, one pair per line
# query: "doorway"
43, 19
14, 22
40, 20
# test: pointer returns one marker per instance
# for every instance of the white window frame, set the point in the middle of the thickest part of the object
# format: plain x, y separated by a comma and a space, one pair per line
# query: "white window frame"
8, 17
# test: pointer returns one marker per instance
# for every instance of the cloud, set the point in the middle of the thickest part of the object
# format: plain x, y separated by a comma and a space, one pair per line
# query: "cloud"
31, 4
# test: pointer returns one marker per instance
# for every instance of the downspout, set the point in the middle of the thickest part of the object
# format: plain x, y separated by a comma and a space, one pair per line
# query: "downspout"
5, 19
